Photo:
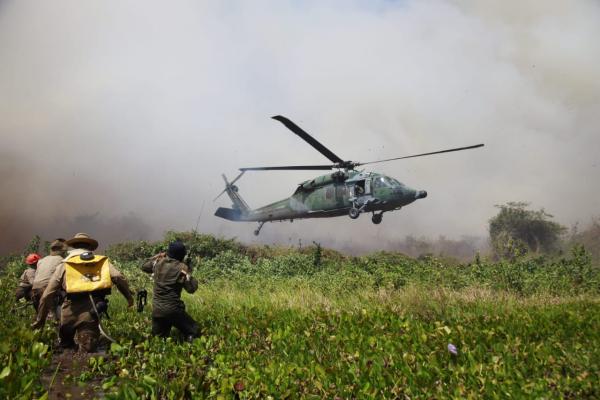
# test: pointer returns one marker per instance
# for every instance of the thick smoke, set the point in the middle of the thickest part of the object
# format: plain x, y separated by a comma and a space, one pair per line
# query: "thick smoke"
118, 119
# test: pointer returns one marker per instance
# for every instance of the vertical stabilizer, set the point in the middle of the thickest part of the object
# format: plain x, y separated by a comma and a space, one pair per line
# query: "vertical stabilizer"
239, 205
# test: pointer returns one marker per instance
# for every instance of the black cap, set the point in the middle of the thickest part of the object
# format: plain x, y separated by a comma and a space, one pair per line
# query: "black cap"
176, 250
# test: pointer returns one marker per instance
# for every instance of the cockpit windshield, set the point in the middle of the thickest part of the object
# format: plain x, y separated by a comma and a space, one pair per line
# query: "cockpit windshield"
385, 181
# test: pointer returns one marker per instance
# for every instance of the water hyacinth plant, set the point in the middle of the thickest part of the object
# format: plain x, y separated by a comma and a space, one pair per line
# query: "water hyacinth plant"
276, 323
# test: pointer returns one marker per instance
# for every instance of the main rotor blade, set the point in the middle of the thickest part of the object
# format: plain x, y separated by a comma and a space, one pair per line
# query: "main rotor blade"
309, 139
290, 168
424, 154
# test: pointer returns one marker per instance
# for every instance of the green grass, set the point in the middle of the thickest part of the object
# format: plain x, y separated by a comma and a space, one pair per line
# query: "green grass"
378, 344
276, 323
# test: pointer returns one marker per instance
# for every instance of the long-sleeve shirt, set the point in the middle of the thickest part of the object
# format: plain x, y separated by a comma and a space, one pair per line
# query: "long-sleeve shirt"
170, 276
25, 284
27, 277
45, 268
57, 282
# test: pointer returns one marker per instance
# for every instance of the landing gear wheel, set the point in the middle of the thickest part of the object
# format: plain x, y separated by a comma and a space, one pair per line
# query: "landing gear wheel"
260, 225
376, 218
354, 213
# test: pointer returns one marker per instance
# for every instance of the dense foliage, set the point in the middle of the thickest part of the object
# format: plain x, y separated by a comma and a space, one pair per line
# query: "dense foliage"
23, 354
588, 236
312, 323
515, 229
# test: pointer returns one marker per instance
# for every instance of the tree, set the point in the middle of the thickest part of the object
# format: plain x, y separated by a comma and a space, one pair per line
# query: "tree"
515, 230
33, 246
589, 237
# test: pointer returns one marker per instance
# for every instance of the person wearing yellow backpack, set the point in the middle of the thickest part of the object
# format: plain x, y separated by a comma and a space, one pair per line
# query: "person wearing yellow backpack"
87, 279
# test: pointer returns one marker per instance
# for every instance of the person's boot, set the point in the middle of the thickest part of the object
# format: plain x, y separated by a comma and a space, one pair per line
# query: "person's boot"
64, 345
87, 341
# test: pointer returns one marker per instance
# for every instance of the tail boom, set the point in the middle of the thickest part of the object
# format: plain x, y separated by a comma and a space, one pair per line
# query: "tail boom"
240, 208
229, 214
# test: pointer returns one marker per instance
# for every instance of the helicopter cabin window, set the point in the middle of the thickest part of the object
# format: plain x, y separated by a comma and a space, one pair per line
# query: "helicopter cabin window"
359, 188
384, 181
329, 193
394, 182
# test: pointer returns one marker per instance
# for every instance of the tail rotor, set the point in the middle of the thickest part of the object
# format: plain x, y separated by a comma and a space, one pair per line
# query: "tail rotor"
229, 185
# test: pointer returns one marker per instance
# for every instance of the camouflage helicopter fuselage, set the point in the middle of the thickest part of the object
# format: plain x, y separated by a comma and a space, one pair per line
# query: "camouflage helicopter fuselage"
343, 192
329, 195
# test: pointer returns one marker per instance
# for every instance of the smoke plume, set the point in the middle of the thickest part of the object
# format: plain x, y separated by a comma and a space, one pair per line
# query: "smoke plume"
118, 119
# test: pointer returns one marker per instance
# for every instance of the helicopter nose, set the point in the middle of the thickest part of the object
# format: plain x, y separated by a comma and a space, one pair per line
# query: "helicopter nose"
421, 194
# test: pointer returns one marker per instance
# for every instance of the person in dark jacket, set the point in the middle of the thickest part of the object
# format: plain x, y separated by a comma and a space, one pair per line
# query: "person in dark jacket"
170, 276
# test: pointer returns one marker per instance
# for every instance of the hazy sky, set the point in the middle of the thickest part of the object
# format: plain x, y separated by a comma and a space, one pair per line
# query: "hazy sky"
118, 117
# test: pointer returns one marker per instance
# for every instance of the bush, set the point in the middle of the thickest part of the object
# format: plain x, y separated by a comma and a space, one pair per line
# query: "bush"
516, 230
23, 353
276, 323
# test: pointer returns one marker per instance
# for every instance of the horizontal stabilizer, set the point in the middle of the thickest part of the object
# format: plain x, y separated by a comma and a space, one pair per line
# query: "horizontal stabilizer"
228, 213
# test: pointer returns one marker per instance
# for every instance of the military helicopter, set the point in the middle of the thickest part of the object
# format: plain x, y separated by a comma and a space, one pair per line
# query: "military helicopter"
346, 191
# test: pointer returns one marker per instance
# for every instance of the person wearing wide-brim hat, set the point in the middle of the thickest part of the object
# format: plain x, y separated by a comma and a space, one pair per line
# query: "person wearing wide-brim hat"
87, 279
45, 270
82, 241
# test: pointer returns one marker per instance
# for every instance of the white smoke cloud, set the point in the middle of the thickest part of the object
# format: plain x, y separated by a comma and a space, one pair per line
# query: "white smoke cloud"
116, 107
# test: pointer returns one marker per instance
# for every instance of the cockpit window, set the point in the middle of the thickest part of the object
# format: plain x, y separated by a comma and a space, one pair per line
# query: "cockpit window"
385, 181
395, 182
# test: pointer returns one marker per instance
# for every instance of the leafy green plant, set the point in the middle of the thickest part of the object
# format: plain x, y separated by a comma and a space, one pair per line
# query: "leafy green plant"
23, 354
516, 230
277, 324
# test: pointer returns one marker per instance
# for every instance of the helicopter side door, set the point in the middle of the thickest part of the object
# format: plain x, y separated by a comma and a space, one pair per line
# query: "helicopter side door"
362, 187
322, 198
330, 199
342, 195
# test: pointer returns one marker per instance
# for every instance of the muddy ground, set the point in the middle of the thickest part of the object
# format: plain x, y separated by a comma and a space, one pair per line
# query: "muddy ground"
62, 377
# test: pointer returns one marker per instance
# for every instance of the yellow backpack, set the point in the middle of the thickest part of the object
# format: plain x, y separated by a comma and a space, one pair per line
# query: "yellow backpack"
87, 275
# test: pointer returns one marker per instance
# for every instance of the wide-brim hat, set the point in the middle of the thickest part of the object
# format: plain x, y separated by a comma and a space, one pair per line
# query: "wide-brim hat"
58, 244
83, 238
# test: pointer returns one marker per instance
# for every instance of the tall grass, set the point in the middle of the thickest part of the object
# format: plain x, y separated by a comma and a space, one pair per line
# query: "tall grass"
291, 323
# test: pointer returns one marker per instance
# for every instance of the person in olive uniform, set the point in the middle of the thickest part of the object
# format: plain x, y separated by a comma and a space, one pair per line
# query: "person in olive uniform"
45, 268
27, 277
78, 320
170, 276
